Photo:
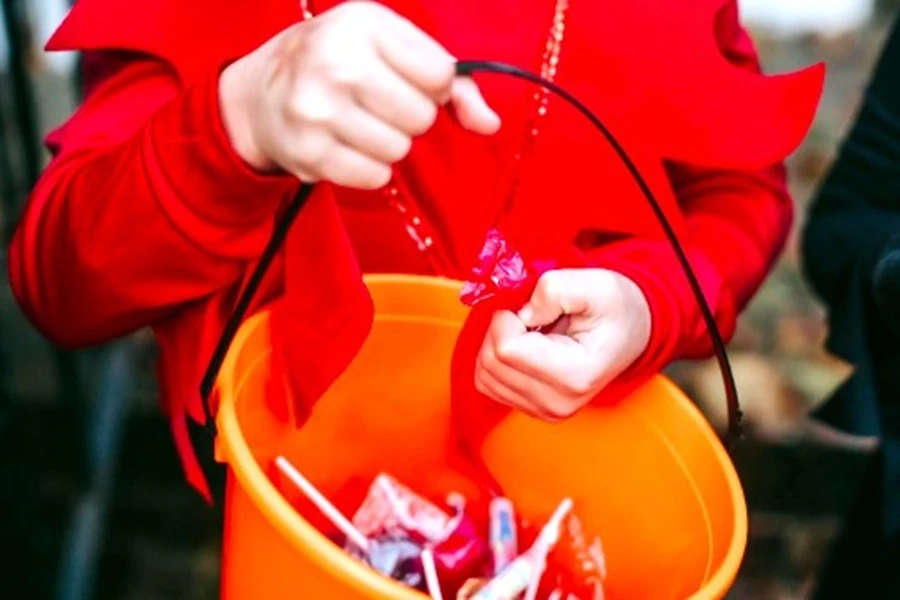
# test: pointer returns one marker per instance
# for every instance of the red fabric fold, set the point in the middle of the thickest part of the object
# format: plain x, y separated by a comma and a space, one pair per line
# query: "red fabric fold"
327, 312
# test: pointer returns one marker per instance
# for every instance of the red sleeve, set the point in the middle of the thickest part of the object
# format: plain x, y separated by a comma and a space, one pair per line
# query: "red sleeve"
144, 206
737, 224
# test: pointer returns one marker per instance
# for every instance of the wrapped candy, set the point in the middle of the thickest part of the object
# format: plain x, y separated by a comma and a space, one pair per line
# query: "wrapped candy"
392, 507
501, 270
525, 572
395, 555
462, 554
395, 515
502, 537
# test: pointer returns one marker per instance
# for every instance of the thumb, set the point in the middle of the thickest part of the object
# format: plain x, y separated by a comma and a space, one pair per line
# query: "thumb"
471, 109
553, 297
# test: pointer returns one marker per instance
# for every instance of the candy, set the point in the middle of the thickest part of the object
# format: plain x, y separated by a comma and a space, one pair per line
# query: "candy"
462, 553
395, 555
392, 507
525, 572
500, 269
503, 542
392, 512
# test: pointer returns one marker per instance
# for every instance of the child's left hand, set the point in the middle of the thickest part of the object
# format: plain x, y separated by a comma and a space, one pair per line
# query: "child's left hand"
600, 325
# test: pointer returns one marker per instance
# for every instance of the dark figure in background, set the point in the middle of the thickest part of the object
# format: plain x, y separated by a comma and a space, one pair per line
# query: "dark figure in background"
852, 257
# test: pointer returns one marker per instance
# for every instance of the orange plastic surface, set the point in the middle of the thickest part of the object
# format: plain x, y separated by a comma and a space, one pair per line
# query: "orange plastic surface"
648, 475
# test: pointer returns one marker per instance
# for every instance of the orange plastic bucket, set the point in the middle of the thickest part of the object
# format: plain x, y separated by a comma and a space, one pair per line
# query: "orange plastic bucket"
648, 475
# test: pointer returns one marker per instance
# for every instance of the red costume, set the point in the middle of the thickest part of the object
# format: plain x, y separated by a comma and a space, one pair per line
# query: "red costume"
146, 216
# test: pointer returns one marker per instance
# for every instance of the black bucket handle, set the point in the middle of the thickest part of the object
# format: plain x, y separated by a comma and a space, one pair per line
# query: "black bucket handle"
733, 433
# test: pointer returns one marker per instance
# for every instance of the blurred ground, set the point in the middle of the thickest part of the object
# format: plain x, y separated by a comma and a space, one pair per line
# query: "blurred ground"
162, 542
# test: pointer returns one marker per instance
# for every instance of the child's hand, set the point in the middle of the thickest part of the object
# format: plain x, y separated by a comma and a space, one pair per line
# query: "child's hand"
600, 325
340, 97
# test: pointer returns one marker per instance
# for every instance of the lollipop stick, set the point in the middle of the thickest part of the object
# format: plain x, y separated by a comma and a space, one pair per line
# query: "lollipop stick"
327, 508
431, 578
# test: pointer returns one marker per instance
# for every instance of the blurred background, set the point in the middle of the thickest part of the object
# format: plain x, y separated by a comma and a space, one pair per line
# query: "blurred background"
92, 501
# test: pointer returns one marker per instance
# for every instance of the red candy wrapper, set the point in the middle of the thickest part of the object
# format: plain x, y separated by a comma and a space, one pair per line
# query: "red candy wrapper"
500, 270
462, 554
391, 507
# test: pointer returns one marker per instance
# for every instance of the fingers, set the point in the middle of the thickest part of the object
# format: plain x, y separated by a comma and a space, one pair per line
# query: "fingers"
506, 325
471, 109
351, 168
398, 103
516, 384
556, 360
428, 66
512, 368
600, 325
418, 59
517, 390
488, 385
340, 97
555, 295
371, 136
546, 406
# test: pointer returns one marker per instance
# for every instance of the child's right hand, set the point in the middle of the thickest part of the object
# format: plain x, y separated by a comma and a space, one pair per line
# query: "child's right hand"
339, 97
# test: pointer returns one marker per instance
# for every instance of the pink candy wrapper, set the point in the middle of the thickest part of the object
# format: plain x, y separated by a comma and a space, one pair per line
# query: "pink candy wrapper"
391, 507
392, 511
500, 270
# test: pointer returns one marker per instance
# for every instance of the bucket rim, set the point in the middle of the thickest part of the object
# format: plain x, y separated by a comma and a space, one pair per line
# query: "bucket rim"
232, 448
718, 583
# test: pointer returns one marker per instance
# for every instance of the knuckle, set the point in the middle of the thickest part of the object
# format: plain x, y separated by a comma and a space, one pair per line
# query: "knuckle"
549, 284
311, 154
354, 21
359, 11
487, 359
309, 108
295, 109
346, 75
423, 121
503, 352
